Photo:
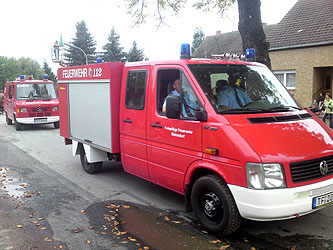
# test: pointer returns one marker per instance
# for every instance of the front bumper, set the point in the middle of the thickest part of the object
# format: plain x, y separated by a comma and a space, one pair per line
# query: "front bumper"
31, 120
278, 204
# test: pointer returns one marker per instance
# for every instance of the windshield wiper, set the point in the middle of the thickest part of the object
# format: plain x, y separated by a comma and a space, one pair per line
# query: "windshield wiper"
283, 107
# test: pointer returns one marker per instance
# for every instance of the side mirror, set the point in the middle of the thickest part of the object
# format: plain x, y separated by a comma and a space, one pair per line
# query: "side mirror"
201, 115
173, 106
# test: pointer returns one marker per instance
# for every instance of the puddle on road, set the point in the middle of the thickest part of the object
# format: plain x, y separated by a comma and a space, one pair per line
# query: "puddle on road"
14, 187
161, 232
149, 228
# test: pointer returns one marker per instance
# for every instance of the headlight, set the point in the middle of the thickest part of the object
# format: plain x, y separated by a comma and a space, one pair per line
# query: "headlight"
23, 109
55, 108
265, 176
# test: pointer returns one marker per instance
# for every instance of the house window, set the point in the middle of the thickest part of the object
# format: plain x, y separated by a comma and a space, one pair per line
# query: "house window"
288, 78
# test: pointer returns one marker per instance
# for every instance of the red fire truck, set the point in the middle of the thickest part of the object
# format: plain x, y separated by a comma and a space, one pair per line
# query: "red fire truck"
31, 102
257, 155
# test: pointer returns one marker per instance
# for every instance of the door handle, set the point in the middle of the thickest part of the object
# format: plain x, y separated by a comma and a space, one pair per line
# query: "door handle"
127, 120
156, 125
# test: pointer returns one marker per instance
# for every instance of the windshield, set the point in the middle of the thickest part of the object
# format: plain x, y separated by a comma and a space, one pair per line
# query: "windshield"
35, 91
242, 88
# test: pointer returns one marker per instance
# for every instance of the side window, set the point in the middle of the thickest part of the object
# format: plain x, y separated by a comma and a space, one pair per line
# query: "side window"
136, 89
189, 97
165, 80
10, 93
174, 82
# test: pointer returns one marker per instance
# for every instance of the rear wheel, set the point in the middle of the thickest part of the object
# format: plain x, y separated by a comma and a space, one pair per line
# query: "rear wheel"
90, 168
56, 125
214, 205
8, 121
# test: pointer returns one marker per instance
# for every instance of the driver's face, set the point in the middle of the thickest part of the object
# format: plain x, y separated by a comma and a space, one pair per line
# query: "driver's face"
176, 85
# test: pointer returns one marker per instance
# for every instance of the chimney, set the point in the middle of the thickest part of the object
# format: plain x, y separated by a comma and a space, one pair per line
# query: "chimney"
218, 32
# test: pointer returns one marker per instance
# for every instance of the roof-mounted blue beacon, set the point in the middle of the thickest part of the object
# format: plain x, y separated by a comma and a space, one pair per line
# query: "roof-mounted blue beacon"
250, 55
185, 52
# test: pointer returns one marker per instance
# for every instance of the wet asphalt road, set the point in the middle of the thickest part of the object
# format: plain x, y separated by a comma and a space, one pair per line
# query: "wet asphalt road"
48, 202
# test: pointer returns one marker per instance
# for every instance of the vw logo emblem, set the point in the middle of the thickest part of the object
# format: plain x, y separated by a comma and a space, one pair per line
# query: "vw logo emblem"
40, 109
323, 167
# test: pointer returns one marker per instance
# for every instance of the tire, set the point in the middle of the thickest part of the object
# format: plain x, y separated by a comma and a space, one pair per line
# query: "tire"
18, 126
56, 125
8, 121
90, 168
214, 205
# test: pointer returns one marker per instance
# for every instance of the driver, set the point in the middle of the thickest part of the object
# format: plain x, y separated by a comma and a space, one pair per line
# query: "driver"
231, 95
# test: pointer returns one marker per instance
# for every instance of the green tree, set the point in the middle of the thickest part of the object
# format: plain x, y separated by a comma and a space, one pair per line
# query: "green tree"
249, 26
113, 51
48, 71
8, 70
83, 40
198, 37
29, 66
135, 54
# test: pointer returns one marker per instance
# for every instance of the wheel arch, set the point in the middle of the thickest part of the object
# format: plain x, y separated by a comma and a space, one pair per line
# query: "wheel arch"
194, 172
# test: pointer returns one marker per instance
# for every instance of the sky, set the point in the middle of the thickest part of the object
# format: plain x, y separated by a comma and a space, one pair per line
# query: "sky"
30, 28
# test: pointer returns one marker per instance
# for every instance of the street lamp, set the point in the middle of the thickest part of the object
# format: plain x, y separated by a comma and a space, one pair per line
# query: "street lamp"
71, 45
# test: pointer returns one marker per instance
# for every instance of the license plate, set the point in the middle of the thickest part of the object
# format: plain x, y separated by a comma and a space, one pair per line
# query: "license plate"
40, 120
322, 200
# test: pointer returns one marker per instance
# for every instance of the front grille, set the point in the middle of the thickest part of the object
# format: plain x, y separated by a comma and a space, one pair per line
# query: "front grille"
40, 109
309, 170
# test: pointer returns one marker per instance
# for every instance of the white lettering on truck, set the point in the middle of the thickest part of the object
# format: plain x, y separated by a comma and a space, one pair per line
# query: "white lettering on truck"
81, 73
74, 73
181, 132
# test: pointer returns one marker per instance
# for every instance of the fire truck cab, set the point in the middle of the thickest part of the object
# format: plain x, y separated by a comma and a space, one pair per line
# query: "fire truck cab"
31, 102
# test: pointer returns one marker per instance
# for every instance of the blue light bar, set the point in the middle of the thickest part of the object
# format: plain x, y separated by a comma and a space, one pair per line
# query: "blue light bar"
45, 77
185, 51
99, 60
250, 55
22, 77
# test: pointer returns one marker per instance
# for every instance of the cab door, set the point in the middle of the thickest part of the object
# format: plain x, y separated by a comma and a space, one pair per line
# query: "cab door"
133, 123
173, 144
10, 101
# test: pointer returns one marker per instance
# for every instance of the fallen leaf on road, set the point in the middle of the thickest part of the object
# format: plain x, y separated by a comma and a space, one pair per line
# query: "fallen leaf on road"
78, 230
166, 218
27, 195
88, 241
224, 247
82, 211
19, 226
125, 206
47, 239
35, 221
145, 248
60, 247
175, 221
124, 242
40, 218
91, 227
42, 228
252, 248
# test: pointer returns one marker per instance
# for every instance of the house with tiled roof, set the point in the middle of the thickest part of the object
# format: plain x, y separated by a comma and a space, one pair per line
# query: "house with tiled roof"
301, 48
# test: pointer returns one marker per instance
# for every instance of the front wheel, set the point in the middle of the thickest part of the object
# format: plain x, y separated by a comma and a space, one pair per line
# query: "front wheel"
56, 125
18, 126
8, 121
215, 206
90, 168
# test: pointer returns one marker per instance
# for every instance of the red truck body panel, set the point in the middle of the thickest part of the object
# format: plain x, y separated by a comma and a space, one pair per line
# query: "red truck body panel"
109, 74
